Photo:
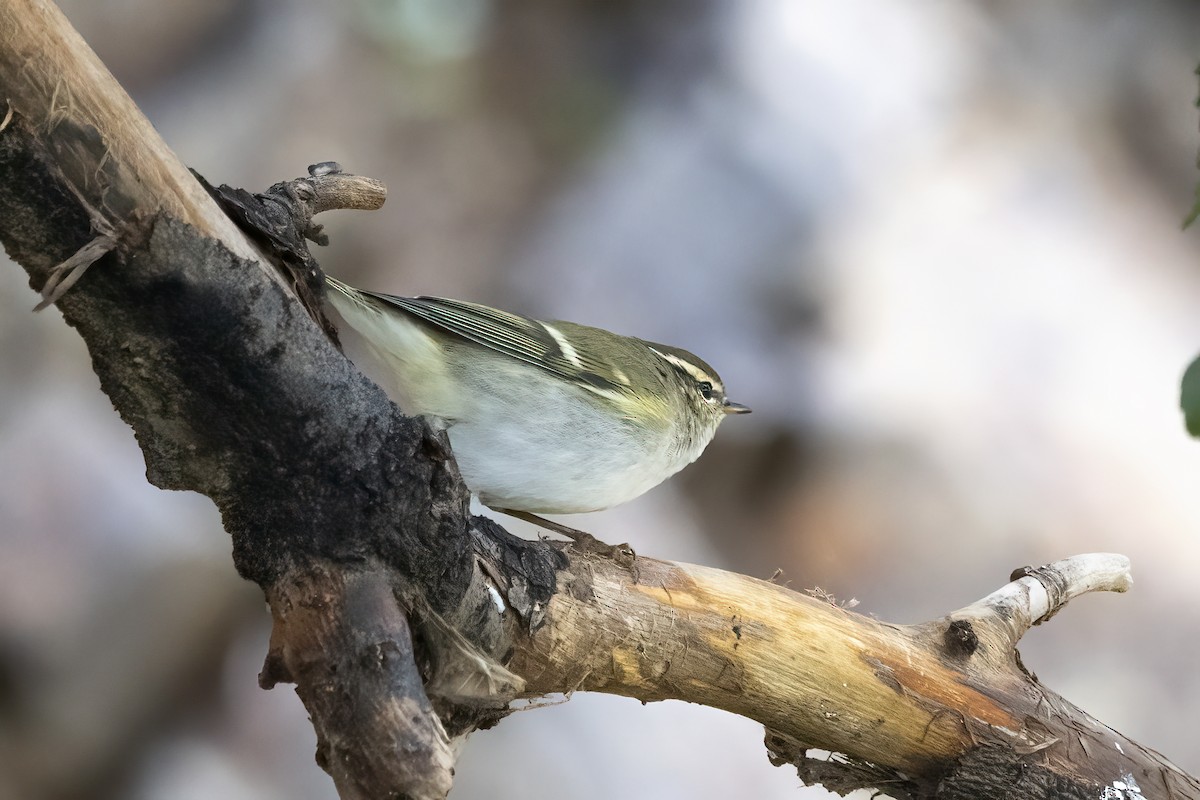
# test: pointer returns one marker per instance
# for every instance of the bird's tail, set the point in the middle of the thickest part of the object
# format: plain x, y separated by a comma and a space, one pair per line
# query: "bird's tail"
348, 292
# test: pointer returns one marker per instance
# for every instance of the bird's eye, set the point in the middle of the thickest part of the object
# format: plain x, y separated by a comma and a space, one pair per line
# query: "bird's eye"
706, 389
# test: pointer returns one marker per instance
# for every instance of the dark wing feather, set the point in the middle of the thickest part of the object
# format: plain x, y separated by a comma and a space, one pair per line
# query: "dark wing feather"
512, 335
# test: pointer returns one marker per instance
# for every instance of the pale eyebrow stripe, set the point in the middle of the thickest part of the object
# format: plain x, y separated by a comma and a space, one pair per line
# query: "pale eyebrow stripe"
691, 369
568, 350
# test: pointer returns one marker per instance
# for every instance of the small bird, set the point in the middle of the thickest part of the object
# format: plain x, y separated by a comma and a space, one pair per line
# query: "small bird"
543, 417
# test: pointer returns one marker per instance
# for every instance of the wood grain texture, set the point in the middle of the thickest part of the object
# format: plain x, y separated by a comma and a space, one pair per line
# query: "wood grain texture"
108, 153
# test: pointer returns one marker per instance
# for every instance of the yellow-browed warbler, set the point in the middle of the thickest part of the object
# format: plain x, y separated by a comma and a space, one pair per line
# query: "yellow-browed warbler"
543, 417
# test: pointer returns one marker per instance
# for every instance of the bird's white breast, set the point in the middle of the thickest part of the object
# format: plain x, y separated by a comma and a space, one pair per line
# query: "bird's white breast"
553, 451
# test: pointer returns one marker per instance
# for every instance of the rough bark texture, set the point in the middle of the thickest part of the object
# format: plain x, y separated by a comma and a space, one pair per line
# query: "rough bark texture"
404, 622
330, 622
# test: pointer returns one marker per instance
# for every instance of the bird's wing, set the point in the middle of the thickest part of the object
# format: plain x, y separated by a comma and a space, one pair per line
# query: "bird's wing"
538, 343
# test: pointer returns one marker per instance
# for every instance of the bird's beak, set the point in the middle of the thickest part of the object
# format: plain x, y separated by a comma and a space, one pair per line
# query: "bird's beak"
735, 408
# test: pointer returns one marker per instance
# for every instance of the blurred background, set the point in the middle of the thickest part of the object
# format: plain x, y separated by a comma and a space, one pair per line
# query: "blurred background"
936, 246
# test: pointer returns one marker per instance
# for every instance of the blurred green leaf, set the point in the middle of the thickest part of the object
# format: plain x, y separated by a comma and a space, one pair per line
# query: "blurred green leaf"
1189, 397
1195, 212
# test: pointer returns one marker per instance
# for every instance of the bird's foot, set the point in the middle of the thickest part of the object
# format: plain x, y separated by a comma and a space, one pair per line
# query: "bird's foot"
620, 553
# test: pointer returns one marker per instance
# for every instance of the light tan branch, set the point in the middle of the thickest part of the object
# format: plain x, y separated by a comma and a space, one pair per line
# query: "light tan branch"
335, 189
1036, 595
111, 157
909, 701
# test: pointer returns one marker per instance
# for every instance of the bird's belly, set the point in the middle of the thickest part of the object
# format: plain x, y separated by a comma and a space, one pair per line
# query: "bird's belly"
560, 460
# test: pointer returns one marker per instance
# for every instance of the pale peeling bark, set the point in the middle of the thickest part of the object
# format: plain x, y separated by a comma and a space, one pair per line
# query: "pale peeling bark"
55, 82
405, 623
